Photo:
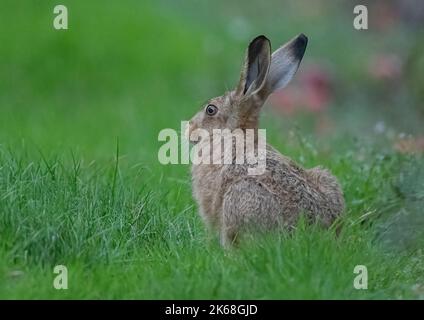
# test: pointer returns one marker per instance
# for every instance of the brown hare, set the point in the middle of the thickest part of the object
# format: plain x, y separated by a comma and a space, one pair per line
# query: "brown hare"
229, 198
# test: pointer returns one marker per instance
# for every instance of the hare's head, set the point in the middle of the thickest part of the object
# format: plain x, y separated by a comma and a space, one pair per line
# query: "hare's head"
262, 74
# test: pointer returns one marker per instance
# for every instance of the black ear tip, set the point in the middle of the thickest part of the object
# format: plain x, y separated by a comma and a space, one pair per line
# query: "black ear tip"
303, 37
260, 38
301, 40
300, 44
257, 45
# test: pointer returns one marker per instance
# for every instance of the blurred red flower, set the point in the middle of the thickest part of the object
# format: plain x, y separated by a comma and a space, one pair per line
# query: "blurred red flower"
311, 92
385, 66
410, 145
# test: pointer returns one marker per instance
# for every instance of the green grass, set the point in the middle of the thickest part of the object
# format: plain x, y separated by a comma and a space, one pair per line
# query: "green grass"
123, 235
80, 184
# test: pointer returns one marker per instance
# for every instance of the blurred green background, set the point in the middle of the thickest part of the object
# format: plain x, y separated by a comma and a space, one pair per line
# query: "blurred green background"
124, 70
132, 68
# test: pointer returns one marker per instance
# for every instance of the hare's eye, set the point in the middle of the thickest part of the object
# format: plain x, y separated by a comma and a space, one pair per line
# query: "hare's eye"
211, 110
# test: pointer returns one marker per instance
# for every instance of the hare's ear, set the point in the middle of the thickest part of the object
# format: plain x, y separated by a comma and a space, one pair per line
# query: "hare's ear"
256, 66
284, 63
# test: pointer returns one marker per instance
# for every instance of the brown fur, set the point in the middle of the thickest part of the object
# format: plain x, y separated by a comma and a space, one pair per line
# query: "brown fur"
232, 201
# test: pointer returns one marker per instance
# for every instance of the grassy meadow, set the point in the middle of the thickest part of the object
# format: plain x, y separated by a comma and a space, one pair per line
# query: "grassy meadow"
81, 185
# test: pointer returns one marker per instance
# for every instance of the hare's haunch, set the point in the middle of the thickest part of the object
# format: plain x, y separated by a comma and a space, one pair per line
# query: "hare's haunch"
230, 199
